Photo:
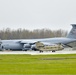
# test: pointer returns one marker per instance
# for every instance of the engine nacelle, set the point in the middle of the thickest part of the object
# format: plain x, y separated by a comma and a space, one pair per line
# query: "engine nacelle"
26, 46
33, 47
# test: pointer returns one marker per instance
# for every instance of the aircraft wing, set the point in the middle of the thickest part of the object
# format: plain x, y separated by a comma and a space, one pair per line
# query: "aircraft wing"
27, 41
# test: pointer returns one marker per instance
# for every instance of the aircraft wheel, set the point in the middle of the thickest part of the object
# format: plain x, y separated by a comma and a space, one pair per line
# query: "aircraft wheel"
41, 51
25, 50
53, 50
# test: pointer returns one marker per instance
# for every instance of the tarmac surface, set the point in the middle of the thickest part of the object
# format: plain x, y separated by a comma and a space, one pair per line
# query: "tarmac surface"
66, 51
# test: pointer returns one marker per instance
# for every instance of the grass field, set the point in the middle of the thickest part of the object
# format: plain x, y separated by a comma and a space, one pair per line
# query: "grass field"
38, 64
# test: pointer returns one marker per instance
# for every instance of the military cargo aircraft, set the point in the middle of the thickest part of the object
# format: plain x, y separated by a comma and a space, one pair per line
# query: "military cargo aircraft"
30, 44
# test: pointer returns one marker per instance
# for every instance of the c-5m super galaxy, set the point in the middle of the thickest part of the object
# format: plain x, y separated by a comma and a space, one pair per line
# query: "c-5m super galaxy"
46, 44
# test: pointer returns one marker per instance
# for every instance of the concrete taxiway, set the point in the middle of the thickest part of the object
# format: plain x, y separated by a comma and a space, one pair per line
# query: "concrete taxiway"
66, 51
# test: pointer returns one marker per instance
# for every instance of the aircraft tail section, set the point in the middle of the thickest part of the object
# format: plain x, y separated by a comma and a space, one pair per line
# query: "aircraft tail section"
72, 33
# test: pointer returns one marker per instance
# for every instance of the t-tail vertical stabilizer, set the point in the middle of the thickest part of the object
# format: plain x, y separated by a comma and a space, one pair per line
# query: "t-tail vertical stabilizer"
72, 33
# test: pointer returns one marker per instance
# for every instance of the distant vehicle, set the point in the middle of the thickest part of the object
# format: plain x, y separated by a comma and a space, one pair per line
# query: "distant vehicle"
27, 44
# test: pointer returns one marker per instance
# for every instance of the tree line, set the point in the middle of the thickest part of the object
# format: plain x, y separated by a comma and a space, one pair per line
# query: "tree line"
31, 34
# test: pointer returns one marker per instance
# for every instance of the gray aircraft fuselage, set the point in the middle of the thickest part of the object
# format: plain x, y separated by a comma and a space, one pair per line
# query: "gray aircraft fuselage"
15, 45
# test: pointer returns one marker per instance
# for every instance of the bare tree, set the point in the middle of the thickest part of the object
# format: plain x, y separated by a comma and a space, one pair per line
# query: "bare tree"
27, 34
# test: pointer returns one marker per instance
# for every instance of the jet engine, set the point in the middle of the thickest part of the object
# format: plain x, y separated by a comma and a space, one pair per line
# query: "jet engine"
26, 46
33, 47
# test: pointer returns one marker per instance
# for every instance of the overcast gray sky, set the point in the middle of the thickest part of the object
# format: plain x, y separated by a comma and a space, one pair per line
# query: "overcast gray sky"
37, 14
